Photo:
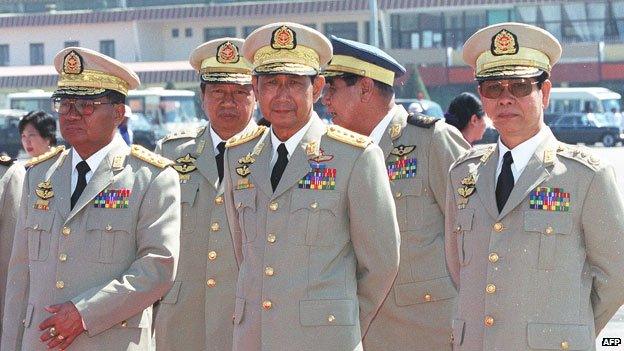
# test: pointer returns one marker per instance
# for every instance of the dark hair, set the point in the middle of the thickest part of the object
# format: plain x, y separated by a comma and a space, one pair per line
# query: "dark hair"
115, 97
462, 108
43, 122
386, 90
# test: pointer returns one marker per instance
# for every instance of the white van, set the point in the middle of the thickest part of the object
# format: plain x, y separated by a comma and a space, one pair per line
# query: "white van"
600, 105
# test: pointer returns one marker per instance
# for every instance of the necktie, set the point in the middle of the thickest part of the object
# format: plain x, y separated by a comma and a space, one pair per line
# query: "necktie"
219, 159
280, 165
505, 182
83, 168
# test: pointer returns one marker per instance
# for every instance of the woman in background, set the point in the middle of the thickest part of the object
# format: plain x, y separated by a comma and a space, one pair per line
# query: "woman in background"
466, 114
38, 132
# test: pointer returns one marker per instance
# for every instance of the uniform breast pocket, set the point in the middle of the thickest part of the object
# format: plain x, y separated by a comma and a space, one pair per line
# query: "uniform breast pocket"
552, 228
409, 206
313, 217
245, 202
109, 238
38, 227
188, 193
463, 229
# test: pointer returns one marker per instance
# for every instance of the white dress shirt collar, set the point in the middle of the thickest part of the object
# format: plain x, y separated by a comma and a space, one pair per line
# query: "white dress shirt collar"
216, 139
382, 126
93, 161
291, 143
521, 154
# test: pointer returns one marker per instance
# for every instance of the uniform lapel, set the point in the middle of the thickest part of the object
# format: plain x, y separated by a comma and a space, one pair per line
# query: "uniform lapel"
486, 184
393, 131
298, 165
206, 163
535, 172
260, 168
61, 184
102, 177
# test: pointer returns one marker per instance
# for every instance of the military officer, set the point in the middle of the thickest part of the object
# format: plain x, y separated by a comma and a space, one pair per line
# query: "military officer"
97, 237
534, 227
11, 179
418, 151
310, 207
201, 301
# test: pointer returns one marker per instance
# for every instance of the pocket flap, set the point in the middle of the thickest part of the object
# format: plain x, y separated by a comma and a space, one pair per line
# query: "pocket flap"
553, 336
110, 220
464, 219
408, 187
188, 192
40, 221
314, 200
29, 312
172, 295
327, 312
239, 310
457, 335
245, 198
547, 222
424, 291
139, 320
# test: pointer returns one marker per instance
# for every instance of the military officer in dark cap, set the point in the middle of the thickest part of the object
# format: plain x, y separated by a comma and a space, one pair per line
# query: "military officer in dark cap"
418, 151
97, 237
310, 207
534, 226
201, 302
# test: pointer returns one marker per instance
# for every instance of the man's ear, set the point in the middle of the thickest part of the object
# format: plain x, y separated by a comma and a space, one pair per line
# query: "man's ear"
120, 111
367, 87
546, 93
254, 84
317, 87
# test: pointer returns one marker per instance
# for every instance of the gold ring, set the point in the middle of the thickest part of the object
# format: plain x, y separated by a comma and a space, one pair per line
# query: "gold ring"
60, 337
52, 332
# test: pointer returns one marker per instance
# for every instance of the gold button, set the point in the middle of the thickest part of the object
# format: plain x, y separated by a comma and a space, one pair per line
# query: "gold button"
215, 226
498, 227
549, 230
66, 230
458, 228
427, 297
490, 288
398, 194
489, 321
109, 227
219, 200
211, 283
124, 324
269, 271
314, 205
267, 305
60, 284
493, 257
239, 205
331, 318
273, 206
62, 257
565, 345
36, 226
271, 238
212, 255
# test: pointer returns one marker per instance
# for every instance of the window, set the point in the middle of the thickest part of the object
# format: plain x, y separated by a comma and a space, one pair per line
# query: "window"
71, 43
36, 54
107, 47
379, 34
215, 33
175, 32
347, 30
188, 32
4, 55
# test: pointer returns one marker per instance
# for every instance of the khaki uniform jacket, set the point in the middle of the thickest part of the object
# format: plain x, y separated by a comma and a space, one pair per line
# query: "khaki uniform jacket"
315, 265
417, 313
535, 279
11, 179
112, 263
197, 312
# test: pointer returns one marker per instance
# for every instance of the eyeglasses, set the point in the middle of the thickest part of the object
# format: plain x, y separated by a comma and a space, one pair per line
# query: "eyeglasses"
83, 107
492, 89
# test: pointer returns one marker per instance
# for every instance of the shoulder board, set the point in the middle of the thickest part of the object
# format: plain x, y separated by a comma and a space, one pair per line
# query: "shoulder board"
478, 151
245, 137
46, 156
580, 154
190, 133
348, 137
421, 120
144, 154
6, 160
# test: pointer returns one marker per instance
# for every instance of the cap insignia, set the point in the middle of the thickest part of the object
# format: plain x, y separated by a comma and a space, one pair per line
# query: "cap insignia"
72, 63
227, 53
283, 38
504, 43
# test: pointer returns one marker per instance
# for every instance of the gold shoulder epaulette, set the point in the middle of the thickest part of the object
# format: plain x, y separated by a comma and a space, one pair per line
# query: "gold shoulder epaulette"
190, 133
348, 137
421, 120
245, 137
580, 154
482, 151
144, 154
55, 150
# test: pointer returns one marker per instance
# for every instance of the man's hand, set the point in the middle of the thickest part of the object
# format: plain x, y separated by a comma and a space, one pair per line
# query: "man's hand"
63, 327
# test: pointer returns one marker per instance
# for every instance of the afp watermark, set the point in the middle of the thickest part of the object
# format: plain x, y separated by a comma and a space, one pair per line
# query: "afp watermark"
611, 341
